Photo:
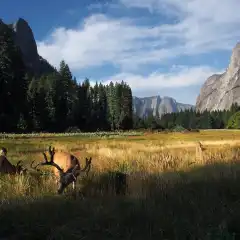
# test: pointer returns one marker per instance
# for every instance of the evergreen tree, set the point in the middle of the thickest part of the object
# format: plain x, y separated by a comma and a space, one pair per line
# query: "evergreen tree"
12, 81
111, 105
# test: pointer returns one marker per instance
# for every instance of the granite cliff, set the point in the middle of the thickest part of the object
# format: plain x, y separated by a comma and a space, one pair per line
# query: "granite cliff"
24, 38
220, 91
142, 107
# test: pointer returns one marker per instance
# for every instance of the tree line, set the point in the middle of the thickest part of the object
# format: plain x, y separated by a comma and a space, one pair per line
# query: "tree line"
191, 119
57, 102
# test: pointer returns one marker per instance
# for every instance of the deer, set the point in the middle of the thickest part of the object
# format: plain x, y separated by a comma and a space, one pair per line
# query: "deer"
66, 168
8, 168
199, 150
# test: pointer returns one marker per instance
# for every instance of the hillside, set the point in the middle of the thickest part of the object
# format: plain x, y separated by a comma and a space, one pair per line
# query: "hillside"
220, 91
157, 106
24, 39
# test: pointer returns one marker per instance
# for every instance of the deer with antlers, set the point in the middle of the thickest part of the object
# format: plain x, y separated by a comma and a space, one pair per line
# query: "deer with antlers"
66, 168
6, 167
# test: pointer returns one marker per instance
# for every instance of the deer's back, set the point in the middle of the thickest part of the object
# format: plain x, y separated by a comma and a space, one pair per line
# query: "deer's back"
6, 166
65, 161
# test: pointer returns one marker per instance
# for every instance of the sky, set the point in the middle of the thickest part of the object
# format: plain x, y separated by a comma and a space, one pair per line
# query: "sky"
159, 47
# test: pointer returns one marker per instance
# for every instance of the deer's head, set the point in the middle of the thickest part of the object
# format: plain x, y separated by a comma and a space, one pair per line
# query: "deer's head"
19, 168
71, 174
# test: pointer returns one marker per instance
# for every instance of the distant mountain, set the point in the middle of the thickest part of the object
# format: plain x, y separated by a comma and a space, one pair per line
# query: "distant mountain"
24, 39
142, 107
220, 91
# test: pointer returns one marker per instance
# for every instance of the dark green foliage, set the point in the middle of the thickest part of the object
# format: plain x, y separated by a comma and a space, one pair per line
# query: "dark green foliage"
22, 124
190, 119
178, 128
57, 102
234, 121
13, 82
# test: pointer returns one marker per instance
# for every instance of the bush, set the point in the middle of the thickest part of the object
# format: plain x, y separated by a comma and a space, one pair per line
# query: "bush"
234, 121
178, 128
73, 129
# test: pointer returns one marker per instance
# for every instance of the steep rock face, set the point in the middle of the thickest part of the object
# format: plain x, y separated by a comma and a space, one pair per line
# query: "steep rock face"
24, 38
220, 91
142, 107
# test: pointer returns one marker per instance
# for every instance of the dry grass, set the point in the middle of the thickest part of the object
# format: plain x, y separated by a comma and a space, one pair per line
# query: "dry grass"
175, 190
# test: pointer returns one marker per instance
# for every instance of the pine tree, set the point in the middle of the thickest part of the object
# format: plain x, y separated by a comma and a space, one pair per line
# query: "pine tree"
111, 105
32, 106
86, 103
22, 124
12, 81
103, 108
51, 100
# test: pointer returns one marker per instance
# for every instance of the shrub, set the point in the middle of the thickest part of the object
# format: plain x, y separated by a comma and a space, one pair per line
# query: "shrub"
234, 121
178, 128
73, 129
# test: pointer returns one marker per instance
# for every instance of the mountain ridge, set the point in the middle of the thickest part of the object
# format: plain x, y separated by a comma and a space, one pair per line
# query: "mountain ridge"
220, 91
24, 38
157, 105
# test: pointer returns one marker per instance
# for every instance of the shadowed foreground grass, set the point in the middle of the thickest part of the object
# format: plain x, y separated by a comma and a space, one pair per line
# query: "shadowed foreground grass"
203, 203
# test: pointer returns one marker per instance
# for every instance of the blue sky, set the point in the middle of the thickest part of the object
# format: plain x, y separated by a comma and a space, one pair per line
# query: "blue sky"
160, 47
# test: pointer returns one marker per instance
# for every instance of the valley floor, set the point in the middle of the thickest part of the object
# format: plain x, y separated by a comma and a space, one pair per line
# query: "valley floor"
173, 192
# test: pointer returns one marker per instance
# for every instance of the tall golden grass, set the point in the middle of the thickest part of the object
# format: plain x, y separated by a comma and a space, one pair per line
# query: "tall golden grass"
138, 159
166, 171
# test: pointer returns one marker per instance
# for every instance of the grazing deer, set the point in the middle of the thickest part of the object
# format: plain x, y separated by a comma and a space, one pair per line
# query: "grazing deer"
66, 168
6, 167
199, 151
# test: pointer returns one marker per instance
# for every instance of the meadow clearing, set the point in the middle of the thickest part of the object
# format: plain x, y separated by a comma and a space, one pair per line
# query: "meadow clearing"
174, 191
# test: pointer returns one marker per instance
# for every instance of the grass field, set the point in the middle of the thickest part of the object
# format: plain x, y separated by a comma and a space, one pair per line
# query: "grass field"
172, 193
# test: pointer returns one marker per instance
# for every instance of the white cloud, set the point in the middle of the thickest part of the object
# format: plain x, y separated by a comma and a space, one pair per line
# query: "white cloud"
201, 26
178, 76
97, 41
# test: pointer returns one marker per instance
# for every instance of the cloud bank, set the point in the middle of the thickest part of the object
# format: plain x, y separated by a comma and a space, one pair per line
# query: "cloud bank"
190, 28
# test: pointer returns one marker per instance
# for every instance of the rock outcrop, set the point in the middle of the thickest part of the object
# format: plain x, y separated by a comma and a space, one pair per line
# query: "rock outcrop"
220, 91
24, 38
156, 105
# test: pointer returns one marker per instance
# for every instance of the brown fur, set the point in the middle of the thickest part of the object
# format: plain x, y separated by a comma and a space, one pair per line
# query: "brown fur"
7, 168
64, 160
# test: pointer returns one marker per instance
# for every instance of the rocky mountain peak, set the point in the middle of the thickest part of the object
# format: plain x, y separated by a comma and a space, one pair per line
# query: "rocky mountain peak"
157, 106
24, 38
220, 91
235, 59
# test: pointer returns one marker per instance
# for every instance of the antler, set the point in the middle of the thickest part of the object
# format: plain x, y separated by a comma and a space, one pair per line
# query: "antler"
87, 165
49, 163
86, 168
18, 163
51, 153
